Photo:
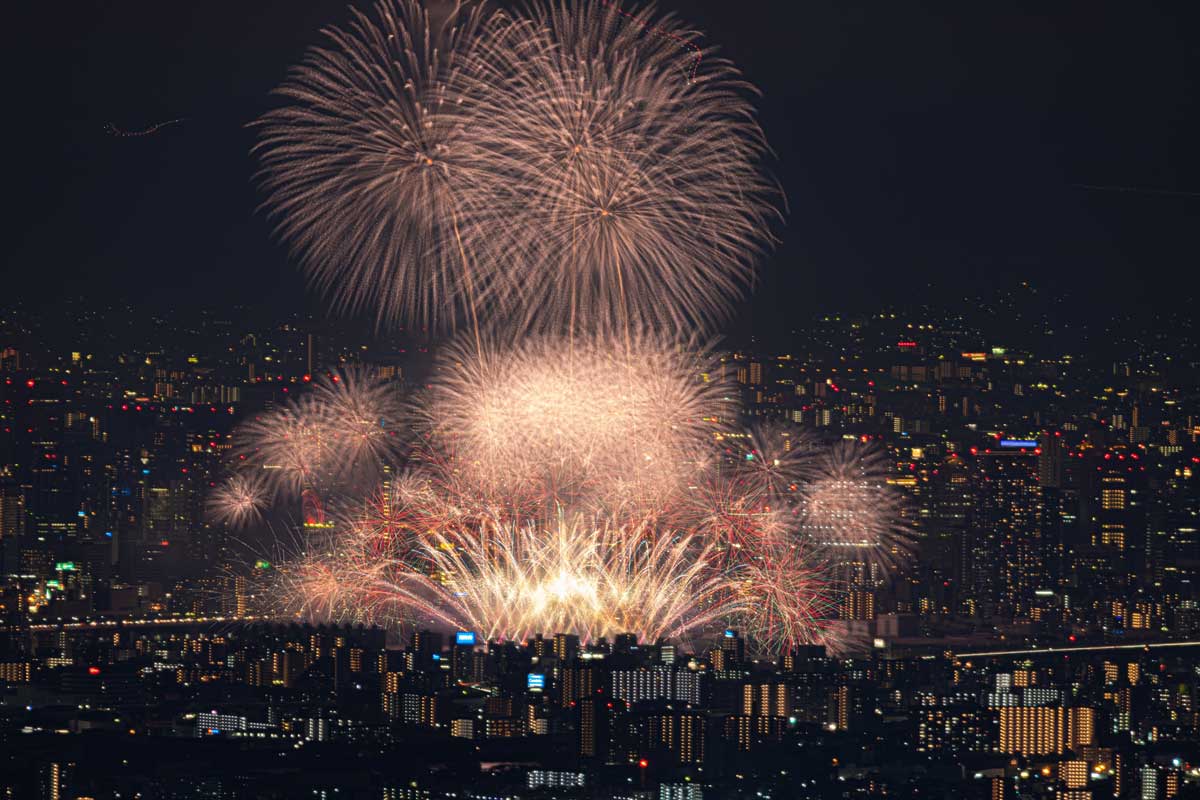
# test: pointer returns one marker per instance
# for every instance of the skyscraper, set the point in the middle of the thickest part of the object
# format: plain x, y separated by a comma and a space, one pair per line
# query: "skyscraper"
1006, 552
12, 520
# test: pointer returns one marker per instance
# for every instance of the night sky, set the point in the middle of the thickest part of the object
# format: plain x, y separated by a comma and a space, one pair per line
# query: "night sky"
928, 150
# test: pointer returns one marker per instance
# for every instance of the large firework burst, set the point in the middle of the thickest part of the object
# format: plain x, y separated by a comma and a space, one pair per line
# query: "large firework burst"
366, 166
556, 168
630, 189
787, 599
575, 418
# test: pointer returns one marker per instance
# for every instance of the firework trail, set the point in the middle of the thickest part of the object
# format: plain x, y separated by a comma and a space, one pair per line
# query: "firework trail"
675, 37
112, 130
1137, 190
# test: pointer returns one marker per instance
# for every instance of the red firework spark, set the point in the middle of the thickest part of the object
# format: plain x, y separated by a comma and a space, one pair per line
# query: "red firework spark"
683, 43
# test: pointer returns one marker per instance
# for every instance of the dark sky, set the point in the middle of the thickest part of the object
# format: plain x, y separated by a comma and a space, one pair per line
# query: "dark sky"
927, 149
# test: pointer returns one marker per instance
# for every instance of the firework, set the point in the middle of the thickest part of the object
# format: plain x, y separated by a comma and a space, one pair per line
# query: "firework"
312, 586
238, 501
740, 521
285, 444
526, 504
850, 508
561, 419
360, 418
615, 190
581, 485
590, 178
510, 580
774, 460
788, 599
434, 549
365, 166
557, 168
342, 431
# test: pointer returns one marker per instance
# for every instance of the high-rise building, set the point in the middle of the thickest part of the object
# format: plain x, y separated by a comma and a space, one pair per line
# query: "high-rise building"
1119, 529
1006, 552
658, 682
942, 523
681, 733
594, 716
579, 680
858, 604
12, 521
1045, 730
733, 645
566, 646
425, 645
769, 699
1053, 451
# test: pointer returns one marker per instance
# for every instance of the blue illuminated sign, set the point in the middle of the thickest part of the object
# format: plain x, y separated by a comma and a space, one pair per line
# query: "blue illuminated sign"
535, 682
729, 634
1029, 443
465, 638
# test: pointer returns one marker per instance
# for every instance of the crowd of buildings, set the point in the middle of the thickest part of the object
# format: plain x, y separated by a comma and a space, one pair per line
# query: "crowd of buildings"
1040, 638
